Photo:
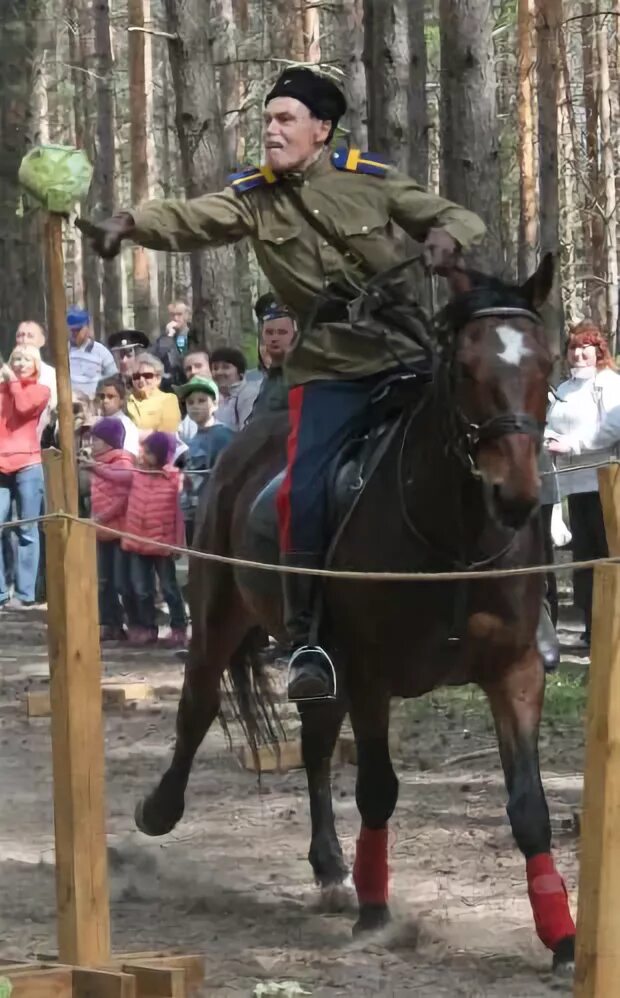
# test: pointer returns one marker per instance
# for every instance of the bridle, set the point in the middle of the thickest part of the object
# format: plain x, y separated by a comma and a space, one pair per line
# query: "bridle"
473, 434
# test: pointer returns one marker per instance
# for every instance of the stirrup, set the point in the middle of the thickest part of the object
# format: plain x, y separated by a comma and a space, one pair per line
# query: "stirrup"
326, 662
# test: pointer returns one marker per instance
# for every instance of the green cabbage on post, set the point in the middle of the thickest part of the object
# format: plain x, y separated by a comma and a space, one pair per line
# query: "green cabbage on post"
56, 176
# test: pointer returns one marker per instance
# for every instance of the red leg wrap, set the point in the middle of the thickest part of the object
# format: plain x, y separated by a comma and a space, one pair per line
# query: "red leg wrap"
549, 900
370, 870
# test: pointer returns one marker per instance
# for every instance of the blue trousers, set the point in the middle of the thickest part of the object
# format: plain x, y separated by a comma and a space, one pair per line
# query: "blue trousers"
142, 570
25, 488
323, 415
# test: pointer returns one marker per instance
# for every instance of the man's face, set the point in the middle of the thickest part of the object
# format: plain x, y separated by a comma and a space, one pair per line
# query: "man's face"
79, 336
125, 358
197, 364
292, 135
109, 401
200, 407
225, 375
30, 334
277, 336
178, 315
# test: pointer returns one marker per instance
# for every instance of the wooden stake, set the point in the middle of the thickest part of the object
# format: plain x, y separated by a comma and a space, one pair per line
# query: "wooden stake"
598, 922
57, 321
77, 738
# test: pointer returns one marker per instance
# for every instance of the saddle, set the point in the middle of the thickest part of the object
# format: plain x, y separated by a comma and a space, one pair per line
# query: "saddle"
351, 470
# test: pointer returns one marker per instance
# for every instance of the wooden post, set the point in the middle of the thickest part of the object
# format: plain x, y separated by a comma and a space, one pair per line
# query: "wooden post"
57, 321
598, 924
77, 731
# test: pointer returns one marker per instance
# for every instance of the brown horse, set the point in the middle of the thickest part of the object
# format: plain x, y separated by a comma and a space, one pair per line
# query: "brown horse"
456, 486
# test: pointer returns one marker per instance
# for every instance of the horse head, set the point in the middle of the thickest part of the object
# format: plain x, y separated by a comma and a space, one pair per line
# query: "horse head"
497, 361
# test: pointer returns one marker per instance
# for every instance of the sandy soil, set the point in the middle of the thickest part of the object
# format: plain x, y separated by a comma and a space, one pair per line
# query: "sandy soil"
233, 881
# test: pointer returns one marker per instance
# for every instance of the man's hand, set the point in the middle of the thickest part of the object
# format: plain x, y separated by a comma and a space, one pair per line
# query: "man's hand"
106, 237
559, 445
441, 251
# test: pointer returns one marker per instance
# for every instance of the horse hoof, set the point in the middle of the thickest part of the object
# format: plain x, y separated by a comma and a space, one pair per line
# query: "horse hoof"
338, 898
152, 820
564, 958
372, 918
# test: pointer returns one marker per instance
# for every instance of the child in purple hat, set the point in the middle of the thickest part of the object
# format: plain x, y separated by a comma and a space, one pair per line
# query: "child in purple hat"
112, 471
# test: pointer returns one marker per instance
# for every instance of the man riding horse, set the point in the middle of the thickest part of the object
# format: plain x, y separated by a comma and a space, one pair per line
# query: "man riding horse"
314, 218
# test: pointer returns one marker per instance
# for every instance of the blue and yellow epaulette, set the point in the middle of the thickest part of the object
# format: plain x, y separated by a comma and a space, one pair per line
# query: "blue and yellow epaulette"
360, 162
251, 177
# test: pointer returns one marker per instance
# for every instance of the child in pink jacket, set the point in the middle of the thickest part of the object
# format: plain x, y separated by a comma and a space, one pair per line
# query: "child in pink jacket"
111, 472
154, 514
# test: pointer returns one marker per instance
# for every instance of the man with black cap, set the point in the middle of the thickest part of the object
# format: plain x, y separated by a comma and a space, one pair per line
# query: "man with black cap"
276, 337
313, 218
125, 345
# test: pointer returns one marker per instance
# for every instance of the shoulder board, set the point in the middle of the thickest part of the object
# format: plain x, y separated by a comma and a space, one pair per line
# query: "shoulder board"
251, 177
360, 162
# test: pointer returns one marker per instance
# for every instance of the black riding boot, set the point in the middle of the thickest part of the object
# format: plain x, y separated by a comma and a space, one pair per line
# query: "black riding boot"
311, 674
547, 640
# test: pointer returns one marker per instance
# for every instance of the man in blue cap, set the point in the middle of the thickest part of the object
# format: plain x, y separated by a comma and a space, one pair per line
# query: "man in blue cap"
89, 361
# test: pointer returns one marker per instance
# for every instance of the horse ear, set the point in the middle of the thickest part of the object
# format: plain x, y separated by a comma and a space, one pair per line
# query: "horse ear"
459, 281
537, 288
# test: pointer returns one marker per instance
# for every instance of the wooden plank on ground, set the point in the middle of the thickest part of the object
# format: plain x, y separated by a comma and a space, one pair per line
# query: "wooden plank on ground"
38, 702
103, 984
597, 972
192, 963
276, 758
36, 982
157, 982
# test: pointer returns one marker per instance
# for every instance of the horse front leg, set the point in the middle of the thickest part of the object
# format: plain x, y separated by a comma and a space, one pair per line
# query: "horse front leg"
161, 810
320, 725
516, 700
376, 794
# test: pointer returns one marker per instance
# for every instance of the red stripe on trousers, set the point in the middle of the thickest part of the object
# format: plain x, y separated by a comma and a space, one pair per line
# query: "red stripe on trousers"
283, 501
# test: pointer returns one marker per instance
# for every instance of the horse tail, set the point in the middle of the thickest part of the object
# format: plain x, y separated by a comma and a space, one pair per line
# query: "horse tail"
251, 696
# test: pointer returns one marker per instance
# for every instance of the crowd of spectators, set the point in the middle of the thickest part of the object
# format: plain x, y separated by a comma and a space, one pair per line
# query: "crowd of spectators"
150, 421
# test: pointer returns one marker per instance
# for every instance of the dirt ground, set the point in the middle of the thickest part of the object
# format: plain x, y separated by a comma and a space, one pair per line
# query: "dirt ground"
233, 882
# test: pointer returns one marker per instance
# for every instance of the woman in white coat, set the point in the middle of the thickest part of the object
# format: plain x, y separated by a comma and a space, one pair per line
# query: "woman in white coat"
574, 423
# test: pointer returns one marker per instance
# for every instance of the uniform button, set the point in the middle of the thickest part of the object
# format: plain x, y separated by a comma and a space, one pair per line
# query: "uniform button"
364, 228
279, 239
315, 211
325, 243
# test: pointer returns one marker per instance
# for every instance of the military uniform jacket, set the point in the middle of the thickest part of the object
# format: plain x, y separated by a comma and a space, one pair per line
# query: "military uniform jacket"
360, 203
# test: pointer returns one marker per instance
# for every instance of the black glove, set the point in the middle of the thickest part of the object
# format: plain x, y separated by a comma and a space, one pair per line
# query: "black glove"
106, 237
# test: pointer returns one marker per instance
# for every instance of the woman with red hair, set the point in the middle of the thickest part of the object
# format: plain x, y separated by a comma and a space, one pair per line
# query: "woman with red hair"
578, 421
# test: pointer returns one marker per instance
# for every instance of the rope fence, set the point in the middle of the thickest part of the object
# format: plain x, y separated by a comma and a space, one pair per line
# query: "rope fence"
326, 573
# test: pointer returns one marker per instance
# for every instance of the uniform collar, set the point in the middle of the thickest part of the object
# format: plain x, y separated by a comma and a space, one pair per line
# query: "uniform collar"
318, 168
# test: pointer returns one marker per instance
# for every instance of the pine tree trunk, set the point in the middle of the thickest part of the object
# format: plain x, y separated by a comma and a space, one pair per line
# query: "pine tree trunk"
609, 185
418, 108
469, 136
548, 21
528, 233
342, 46
105, 159
387, 62
145, 316
593, 220
201, 141
21, 273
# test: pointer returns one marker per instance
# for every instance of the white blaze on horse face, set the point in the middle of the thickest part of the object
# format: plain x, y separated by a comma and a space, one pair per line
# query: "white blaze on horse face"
512, 341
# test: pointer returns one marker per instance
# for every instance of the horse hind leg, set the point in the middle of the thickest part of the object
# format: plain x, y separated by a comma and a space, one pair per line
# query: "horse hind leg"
376, 795
320, 726
516, 700
161, 810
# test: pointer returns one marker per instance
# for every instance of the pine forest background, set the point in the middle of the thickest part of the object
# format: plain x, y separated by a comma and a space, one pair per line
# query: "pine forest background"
510, 107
